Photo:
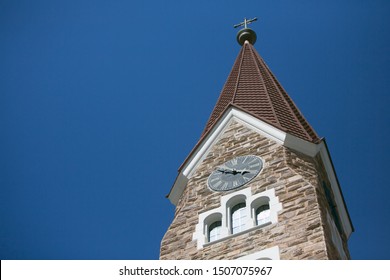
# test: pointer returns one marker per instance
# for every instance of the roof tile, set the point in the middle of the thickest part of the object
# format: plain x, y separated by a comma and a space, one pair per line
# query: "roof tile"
252, 87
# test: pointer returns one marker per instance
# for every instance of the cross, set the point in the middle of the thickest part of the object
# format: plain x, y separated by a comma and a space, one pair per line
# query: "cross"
245, 22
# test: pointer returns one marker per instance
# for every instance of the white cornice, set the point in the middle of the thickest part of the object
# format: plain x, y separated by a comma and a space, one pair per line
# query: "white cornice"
300, 145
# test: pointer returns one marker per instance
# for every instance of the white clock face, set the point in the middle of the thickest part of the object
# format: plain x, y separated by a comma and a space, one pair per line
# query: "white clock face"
235, 173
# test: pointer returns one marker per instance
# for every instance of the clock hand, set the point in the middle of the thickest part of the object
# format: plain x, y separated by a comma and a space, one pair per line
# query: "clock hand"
242, 171
233, 171
225, 171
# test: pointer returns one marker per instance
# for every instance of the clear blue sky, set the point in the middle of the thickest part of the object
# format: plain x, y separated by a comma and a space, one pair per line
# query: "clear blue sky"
101, 101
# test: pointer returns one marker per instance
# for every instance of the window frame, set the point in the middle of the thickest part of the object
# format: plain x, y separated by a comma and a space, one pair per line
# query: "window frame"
223, 212
259, 210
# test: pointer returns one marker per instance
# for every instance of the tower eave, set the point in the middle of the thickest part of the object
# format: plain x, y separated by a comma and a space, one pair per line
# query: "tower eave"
335, 184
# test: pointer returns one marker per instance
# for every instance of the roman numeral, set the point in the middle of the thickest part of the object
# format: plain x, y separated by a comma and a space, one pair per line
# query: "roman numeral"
217, 184
224, 186
213, 179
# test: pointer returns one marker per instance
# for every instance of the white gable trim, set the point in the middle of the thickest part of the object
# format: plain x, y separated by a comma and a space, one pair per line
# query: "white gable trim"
200, 153
342, 210
271, 132
261, 127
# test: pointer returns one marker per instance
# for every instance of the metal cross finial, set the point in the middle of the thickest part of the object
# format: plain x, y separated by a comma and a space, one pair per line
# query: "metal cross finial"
245, 22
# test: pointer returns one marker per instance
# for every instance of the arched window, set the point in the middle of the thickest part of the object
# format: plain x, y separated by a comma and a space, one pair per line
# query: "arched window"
238, 217
239, 212
263, 214
214, 231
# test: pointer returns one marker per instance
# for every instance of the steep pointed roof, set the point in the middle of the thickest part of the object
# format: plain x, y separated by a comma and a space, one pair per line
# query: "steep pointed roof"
252, 87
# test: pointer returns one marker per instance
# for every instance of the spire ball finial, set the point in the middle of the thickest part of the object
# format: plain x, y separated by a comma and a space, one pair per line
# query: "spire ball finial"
246, 34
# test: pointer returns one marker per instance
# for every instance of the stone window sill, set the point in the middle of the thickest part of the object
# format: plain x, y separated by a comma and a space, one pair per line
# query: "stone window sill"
237, 234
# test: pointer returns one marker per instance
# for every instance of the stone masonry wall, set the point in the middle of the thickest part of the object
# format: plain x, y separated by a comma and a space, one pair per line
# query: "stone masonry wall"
325, 207
299, 232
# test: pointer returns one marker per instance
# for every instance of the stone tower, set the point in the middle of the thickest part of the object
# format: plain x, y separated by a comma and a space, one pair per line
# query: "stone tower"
260, 183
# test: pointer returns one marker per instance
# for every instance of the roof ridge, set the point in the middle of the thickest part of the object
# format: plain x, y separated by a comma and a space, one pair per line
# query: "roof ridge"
256, 58
238, 75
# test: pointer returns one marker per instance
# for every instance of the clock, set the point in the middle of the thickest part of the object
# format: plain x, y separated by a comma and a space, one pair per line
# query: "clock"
235, 173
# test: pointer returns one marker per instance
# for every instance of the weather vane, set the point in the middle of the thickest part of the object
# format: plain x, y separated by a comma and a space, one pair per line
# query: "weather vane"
245, 22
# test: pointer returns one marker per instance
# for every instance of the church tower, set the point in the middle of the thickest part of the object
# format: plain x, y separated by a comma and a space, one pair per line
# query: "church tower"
260, 183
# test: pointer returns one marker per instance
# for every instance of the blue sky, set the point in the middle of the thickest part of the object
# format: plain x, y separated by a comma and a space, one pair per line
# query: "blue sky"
101, 101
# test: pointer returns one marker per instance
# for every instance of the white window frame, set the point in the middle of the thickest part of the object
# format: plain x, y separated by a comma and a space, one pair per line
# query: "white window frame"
264, 212
215, 231
224, 213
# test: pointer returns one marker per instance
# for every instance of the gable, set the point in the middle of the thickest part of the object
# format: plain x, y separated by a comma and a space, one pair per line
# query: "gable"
219, 131
222, 129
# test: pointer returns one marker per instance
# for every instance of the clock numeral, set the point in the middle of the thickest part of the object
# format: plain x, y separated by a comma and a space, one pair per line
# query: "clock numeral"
214, 179
224, 186
252, 160
217, 184
254, 165
253, 171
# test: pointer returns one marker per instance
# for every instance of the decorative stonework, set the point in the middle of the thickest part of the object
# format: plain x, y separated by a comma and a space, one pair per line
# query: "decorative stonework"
222, 213
302, 231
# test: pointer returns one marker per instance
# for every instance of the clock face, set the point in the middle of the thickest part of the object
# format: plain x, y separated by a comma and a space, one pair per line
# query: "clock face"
235, 173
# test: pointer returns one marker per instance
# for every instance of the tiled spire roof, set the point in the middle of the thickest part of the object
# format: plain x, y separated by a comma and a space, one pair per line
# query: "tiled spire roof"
252, 87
